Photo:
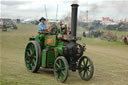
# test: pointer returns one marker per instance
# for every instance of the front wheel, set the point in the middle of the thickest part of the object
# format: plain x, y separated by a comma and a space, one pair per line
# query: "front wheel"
61, 69
85, 68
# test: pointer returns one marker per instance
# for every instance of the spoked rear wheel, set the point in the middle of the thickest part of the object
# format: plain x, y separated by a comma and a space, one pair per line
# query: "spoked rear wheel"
61, 69
85, 68
33, 56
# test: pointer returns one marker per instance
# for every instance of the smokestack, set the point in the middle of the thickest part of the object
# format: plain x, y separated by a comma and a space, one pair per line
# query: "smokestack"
74, 20
87, 15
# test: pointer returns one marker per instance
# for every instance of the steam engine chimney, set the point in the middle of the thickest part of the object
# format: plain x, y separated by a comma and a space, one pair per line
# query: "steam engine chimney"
87, 15
74, 20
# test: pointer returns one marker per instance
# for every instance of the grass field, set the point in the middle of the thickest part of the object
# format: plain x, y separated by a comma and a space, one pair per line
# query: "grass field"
110, 60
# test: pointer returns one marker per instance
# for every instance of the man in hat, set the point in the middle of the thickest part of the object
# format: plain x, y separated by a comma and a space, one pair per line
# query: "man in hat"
42, 25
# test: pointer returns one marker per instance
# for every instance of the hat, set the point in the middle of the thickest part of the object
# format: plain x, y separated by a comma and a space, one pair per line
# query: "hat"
42, 18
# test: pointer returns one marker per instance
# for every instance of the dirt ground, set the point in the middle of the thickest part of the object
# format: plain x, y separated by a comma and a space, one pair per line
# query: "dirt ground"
110, 62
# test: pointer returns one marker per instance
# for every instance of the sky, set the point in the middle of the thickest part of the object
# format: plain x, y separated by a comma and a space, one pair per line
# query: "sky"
34, 9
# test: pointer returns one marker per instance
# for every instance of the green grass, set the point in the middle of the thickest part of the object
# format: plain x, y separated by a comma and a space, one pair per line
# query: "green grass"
110, 60
118, 33
99, 42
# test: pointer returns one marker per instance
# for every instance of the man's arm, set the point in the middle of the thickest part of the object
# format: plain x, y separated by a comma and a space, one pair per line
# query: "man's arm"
40, 27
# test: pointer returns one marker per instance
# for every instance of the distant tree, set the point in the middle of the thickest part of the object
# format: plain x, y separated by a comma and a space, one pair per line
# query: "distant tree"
123, 27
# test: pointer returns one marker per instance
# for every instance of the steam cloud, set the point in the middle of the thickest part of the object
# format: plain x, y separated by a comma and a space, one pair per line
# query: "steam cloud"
112, 9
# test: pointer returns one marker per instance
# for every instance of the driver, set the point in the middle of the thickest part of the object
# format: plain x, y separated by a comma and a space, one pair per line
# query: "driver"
42, 25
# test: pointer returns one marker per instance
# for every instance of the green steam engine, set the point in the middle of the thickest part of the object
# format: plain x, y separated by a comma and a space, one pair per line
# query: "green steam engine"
53, 50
